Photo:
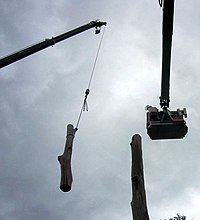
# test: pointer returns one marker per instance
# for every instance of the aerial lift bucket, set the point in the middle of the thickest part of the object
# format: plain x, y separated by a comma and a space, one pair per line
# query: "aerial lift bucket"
166, 124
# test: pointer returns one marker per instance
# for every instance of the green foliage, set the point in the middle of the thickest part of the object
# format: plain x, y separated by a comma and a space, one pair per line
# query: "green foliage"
178, 217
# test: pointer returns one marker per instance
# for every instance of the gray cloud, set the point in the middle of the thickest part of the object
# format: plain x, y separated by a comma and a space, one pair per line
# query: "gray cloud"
41, 94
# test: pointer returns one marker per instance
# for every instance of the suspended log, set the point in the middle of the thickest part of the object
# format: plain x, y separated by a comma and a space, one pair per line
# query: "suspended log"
65, 160
138, 203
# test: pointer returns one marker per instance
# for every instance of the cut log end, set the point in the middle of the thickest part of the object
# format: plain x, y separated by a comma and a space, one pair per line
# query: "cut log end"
65, 187
136, 139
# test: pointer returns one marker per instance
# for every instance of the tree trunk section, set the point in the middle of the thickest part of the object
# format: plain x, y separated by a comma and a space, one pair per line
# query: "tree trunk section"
65, 160
138, 203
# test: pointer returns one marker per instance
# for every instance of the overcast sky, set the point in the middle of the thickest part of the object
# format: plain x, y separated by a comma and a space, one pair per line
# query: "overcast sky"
41, 94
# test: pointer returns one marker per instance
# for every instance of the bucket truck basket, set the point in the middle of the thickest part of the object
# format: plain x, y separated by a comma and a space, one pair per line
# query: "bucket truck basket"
166, 124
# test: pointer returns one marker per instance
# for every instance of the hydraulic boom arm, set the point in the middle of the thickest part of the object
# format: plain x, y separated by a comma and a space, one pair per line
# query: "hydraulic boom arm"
166, 124
47, 43
168, 14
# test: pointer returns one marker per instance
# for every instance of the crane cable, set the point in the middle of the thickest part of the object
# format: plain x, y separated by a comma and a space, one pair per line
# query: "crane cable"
87, 91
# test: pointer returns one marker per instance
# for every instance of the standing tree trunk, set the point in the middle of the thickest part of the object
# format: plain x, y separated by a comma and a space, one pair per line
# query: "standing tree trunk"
138, 203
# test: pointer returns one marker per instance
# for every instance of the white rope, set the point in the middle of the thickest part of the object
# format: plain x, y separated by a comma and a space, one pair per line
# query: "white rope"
85, 105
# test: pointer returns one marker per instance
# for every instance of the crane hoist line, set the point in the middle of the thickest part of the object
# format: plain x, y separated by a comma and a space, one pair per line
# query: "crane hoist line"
166, 124
7, 60
65, 158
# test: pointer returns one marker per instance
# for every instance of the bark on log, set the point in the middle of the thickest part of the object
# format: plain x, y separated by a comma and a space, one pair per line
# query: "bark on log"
138, 203
65, 160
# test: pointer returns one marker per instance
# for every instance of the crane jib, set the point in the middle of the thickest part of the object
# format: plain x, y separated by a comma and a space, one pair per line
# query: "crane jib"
46, 43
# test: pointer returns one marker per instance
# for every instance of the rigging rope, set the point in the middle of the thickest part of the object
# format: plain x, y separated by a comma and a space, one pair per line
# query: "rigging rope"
96, 57
87, 91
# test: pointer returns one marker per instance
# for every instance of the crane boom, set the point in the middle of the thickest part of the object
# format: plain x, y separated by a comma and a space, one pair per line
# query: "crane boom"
166, 124
47, 43
167, 32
